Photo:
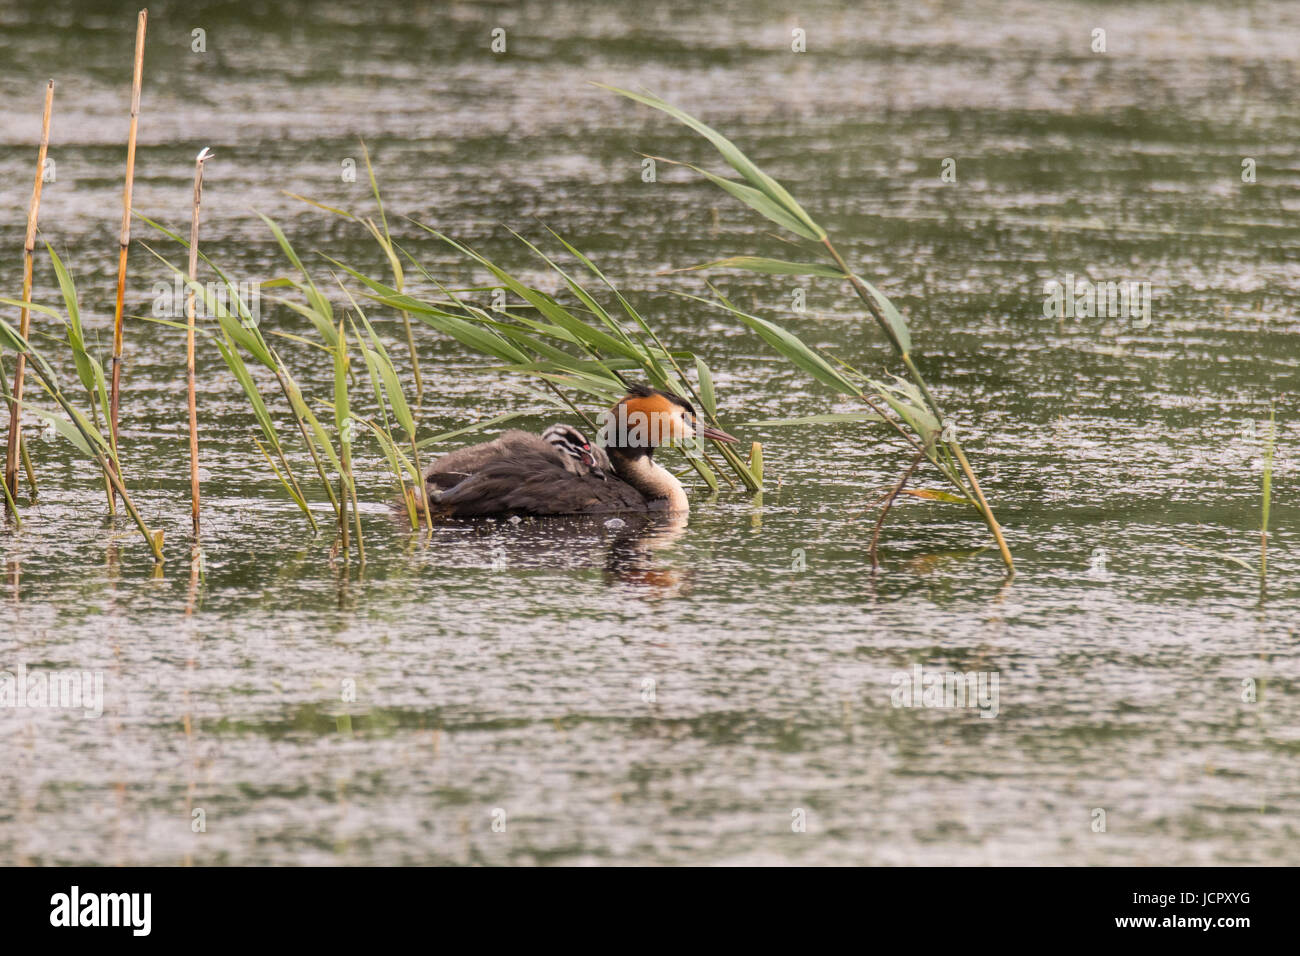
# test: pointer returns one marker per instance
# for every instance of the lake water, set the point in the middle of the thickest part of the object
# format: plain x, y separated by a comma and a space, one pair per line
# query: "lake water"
720, 692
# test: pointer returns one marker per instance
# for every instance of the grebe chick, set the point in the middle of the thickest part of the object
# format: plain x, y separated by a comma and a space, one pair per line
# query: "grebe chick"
583, 456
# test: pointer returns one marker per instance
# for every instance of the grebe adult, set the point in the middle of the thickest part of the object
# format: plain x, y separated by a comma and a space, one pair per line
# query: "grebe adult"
561, 473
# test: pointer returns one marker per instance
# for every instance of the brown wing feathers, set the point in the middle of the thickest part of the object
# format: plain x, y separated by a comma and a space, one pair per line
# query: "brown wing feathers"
521, 473
533, 482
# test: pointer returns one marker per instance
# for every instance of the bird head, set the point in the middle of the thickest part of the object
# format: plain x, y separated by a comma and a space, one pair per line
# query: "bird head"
569, 441
646, 418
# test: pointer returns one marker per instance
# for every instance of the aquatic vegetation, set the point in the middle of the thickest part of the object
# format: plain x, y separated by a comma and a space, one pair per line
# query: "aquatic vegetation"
124, 239
15, 444
585, 350
581, 347
74, 425
190, 316
911, 399
88, 369
11, 506
239, 329
331, 455
578, 351
343, 429
589, 348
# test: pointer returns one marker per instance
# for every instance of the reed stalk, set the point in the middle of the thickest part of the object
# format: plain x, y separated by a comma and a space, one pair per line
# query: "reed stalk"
302, 417
94, 418
912, 401
884, 510
124, 237
890, 331
287, 479
388, 391
79, 430
343, 517
240, 328
343, 423
11, 506
386, 242
383, 430
24, 320
203, 156
26, 455
356, 514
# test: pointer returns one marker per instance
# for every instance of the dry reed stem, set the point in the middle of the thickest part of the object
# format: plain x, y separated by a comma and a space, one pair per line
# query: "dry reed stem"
124, 238
884, 510
24, 321
189, 340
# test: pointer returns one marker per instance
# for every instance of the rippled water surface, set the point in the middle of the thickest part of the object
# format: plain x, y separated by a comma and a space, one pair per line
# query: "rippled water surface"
687, 694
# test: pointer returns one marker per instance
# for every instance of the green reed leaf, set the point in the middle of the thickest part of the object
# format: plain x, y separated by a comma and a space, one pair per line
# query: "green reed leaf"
897, 324
707, 398
738, 161
770, 266
789, 345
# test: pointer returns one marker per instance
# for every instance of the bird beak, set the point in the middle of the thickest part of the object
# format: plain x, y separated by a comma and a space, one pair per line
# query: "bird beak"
715, 434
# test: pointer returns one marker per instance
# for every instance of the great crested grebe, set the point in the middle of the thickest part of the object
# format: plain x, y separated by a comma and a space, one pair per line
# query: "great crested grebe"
560, 472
